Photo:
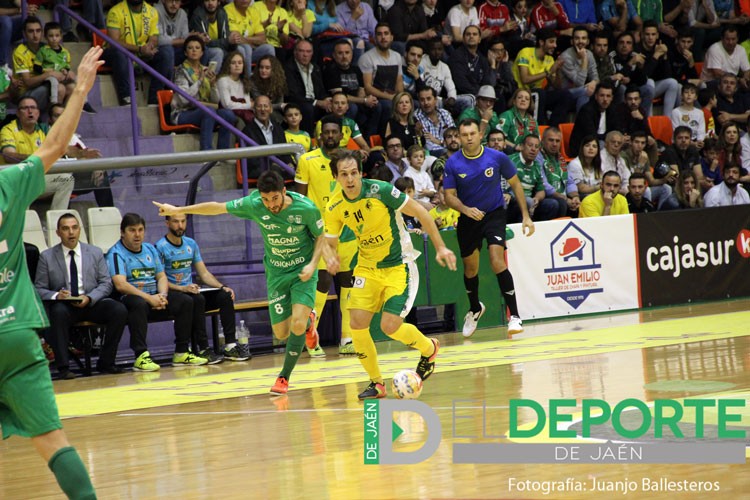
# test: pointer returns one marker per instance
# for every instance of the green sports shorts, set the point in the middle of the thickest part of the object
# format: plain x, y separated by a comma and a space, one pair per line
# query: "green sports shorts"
27, 400
285, 289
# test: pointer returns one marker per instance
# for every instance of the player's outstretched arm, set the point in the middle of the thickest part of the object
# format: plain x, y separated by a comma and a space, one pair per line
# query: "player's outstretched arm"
206, 208
444, 256
58, 138
528, 224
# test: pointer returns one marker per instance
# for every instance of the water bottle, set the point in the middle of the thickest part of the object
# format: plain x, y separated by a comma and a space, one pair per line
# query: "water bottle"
222, 339
243, 333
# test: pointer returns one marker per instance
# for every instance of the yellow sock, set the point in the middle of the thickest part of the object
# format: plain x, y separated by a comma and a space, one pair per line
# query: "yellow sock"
320, 303
367, 353
346, 329
411, 336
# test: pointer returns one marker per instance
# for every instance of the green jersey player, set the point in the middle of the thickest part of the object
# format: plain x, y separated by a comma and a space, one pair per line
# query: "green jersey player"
27, 400
292, 230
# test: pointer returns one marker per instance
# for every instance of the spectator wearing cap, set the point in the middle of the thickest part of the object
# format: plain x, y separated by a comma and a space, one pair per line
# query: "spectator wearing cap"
484, 111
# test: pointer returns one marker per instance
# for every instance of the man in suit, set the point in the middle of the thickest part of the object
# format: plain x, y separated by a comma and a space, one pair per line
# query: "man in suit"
264, 130
305, 86
75, 269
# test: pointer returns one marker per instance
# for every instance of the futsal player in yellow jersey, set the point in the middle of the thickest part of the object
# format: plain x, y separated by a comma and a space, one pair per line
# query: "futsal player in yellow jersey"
385, 278
315, 180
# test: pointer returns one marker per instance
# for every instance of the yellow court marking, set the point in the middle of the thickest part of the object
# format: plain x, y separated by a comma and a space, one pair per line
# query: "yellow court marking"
453, 358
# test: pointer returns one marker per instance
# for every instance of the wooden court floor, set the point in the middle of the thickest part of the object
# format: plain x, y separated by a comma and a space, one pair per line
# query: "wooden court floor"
213, 432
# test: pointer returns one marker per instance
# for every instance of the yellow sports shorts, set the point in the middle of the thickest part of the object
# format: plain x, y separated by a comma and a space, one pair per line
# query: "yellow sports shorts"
391, 289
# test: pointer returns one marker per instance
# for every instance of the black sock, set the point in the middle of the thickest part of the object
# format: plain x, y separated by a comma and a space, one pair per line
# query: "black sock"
505, 280
472, 291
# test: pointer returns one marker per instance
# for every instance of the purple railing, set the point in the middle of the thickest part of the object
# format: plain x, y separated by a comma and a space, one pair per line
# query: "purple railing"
244, 139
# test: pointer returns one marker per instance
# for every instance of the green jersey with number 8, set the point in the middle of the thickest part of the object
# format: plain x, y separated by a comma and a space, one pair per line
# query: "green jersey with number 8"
289, 236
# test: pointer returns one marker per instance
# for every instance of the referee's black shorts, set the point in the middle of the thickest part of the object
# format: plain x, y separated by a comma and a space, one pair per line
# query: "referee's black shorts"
470, 232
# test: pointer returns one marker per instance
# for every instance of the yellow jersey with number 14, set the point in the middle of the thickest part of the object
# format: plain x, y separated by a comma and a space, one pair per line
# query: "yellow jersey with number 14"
375, 218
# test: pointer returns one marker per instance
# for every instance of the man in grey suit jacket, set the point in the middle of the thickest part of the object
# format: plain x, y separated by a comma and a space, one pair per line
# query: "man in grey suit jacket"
74, 269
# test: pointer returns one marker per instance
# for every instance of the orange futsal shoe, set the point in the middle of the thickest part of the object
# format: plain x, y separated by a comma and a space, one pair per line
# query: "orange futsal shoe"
311, 335
281, 387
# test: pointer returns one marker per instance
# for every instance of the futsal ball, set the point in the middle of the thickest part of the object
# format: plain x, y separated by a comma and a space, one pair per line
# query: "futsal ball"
407, 384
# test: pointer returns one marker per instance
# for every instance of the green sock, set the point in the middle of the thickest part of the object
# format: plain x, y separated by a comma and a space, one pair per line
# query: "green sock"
295, 344
71, 474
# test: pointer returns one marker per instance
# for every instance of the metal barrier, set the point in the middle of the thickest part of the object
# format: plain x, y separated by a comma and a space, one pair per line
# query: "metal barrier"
209, 158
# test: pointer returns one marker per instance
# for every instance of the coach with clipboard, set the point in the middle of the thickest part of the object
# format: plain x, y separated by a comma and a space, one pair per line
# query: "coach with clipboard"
73, 280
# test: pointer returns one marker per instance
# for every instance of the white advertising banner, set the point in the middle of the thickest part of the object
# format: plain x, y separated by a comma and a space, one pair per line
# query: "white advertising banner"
575, 266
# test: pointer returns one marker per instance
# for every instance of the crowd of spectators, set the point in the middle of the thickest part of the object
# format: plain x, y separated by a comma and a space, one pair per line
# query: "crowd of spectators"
409, 71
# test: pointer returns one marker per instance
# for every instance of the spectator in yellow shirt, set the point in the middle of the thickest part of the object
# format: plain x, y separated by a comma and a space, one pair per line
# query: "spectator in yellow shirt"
606, 201
536, 69
445, 217
246, 31
135, 26
22, 137
275, 21
33, 81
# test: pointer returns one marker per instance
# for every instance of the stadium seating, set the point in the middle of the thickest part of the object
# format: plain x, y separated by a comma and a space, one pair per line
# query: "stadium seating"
104, 226
98, 41
567, 130
165, 100
661, 128
33, 232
